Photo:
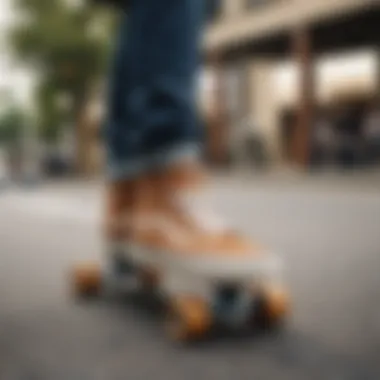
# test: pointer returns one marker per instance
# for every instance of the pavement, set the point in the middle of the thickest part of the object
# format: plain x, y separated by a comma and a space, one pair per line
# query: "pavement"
326, 229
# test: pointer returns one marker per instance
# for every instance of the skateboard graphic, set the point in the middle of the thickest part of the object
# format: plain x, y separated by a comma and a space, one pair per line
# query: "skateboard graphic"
197, 291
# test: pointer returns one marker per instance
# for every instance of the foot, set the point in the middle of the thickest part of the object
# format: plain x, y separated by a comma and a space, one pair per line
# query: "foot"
169, 216
118, 207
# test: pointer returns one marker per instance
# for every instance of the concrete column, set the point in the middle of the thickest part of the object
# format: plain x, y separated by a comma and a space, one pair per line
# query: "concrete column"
263, 105
378, 73
217, 123
302, 48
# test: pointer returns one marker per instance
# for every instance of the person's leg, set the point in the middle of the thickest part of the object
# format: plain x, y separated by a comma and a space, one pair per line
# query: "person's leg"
153, 119
119, 195
153, 134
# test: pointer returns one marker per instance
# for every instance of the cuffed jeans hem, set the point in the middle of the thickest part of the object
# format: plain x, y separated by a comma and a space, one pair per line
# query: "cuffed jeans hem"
131, 168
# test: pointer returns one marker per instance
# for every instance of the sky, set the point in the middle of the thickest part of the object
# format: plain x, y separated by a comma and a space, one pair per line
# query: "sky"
5, 10
15, 83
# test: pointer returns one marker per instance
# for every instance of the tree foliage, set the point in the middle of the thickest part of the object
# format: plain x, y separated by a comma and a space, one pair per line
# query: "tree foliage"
12, 125
66, 42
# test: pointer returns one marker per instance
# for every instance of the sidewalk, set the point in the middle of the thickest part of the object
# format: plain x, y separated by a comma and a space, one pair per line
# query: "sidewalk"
74, 201
350, 181
366, 181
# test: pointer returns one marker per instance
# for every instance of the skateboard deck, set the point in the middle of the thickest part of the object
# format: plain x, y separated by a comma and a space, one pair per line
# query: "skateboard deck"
199, 290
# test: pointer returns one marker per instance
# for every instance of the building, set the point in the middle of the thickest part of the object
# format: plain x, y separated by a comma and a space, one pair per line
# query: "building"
270, 58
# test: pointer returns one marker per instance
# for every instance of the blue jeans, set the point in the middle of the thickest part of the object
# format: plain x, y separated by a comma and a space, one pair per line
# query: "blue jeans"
152, 118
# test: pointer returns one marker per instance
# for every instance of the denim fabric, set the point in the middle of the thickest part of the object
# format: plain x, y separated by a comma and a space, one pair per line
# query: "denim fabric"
152, 118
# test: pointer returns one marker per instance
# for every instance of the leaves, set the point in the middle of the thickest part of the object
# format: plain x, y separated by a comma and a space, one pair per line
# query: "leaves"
57, 37
11, 126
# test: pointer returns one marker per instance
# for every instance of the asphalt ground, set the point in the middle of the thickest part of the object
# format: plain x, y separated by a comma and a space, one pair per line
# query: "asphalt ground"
329, 237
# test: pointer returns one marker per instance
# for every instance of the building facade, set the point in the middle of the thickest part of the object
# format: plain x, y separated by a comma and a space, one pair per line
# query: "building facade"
269, 57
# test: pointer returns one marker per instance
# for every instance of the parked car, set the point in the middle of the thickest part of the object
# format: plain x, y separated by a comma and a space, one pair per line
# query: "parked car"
56, 165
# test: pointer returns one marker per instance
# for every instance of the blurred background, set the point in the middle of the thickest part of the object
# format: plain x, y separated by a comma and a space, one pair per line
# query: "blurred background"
297, 81
289, 91
287, 84
53, 65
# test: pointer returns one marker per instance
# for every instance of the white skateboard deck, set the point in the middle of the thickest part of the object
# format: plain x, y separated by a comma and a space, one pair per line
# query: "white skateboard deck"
198, 274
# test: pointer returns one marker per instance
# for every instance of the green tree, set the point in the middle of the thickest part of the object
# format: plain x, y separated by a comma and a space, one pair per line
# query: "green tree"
12, 128
12, 124
67, 41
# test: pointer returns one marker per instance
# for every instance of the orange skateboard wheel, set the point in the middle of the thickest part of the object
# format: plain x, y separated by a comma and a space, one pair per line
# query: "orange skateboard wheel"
188, 319
276, 305
87, 279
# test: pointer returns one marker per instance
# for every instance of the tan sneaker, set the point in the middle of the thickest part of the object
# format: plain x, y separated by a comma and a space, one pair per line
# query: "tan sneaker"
118, 204
164, 214
170, 219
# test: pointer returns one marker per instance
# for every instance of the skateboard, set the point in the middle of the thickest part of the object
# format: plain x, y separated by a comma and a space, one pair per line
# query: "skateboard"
197, 291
